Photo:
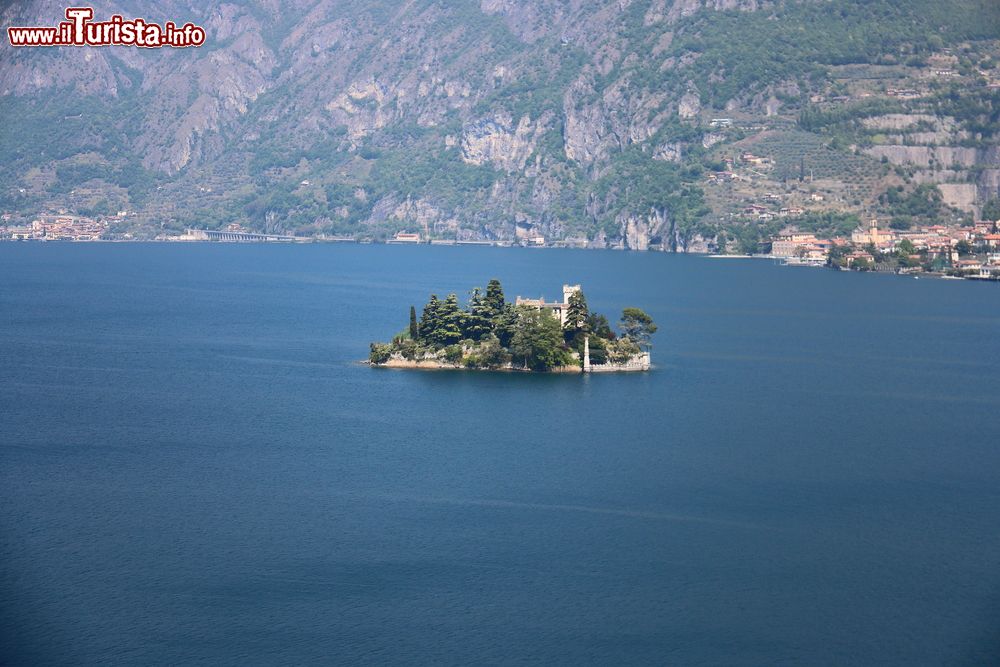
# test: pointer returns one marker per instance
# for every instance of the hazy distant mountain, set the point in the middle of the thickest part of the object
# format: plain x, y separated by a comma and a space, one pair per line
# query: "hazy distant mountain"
571, 119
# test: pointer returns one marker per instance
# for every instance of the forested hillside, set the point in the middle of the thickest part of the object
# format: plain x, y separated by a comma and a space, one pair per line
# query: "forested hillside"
650, 123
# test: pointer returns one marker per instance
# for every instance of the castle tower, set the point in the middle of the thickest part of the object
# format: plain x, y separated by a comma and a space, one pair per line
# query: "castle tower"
568, 291
586, 354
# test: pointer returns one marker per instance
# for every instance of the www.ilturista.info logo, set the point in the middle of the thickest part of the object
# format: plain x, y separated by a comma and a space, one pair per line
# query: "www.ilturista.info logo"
79, 30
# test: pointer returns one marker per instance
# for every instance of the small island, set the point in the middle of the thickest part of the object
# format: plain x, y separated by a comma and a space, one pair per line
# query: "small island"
530, 335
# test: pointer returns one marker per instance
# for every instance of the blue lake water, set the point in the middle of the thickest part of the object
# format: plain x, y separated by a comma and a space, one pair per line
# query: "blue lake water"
195, 469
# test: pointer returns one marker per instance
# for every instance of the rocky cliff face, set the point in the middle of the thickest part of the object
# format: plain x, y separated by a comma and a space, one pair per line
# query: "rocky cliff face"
601, 123
926, 144
574, 119
674, 11
501, 142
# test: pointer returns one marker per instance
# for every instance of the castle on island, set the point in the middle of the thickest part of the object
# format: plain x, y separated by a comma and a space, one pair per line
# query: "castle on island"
639, 362
556, 308
529, 334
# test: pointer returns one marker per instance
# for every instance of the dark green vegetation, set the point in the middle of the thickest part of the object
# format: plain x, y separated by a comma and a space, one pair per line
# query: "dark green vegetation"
796, 41
991, 210
922, 204
364, 119
491, 333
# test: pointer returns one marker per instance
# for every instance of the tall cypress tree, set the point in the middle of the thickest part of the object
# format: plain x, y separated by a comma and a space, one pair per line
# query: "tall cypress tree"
493, 302
414, 329
429, 319
576, 313
505, 324
576, 327
450, 319
447, 320
478, 322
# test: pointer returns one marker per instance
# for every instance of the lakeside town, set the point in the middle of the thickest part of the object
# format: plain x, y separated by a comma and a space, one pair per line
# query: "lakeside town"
958, 252
60, 227
969, 251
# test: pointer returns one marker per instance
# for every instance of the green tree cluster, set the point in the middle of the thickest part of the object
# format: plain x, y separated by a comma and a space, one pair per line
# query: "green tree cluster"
446, 323
637, 325
538, 341
991, 210
923, 204
739, 52
492, 333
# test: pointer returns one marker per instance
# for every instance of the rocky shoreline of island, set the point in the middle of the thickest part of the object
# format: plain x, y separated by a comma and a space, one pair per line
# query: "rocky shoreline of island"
438, 365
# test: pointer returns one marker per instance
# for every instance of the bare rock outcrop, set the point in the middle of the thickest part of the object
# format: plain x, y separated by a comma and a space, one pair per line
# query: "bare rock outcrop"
500, 142
599, 123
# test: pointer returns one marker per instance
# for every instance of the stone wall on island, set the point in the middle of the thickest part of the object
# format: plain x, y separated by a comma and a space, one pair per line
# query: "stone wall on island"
640, 362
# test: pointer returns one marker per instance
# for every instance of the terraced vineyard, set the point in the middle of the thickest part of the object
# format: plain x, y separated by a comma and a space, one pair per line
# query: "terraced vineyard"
794, 152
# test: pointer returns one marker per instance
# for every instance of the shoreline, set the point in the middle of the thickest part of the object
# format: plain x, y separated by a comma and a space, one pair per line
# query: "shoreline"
481, 244
427, 365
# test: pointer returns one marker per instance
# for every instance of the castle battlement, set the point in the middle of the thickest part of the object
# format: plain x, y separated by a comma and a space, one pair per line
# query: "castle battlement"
557, 308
